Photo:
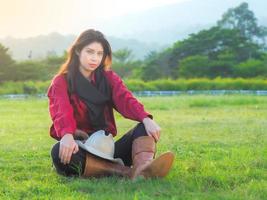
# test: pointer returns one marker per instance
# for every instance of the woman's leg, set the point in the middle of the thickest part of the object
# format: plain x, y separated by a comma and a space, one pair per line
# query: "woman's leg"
138, 149
87, 165
123, 147
76, 165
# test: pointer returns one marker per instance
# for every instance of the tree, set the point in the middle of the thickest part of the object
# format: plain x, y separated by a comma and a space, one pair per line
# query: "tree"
128, 69
30, 70
194, 66
123, 63
237, 34
156, 66
250, 68
244, 20
6, 62
122, 55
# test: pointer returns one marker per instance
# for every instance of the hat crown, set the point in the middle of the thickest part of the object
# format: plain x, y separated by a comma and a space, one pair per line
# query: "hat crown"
101, 142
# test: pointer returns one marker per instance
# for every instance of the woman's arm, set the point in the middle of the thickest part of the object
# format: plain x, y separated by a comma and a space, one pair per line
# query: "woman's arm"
61, 113
124, 101
60, 108
127, 105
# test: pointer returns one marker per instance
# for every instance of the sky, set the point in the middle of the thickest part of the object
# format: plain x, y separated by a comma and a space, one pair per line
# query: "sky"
28, 18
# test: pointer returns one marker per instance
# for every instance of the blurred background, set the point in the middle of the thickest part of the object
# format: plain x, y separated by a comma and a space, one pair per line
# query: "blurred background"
150, 39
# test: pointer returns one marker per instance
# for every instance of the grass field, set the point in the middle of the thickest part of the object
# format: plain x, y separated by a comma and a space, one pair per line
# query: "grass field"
220, 143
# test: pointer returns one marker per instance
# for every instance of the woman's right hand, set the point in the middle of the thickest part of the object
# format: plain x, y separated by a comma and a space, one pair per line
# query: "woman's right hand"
67, 147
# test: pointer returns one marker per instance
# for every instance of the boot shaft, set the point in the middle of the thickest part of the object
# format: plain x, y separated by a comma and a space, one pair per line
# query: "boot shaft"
99, 167
143, 152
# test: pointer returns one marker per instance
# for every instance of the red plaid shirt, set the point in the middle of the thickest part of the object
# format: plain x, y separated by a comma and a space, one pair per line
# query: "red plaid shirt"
69, 113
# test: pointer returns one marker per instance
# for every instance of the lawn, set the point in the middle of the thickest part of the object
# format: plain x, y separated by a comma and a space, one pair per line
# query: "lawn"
220, 144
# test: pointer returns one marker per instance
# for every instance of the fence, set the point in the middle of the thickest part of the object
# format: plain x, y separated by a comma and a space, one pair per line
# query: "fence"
159, 93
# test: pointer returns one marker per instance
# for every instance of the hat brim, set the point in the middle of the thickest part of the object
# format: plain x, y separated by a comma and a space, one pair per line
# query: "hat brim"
98, 153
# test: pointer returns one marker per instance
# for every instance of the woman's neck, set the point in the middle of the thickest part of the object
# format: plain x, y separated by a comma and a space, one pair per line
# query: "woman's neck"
85, 73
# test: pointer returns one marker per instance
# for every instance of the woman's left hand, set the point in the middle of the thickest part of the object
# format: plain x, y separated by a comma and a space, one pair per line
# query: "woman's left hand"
152, 128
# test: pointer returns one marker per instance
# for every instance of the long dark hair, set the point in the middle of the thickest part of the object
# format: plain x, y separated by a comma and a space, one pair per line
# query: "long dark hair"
71, 66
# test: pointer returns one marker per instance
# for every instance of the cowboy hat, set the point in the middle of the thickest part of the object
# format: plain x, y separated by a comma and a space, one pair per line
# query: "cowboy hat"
101, 145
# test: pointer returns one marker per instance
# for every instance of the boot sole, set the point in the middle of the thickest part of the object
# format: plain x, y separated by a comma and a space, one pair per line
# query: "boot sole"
159, 167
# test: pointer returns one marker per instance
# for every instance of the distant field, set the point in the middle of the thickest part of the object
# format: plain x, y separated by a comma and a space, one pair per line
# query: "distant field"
220, 143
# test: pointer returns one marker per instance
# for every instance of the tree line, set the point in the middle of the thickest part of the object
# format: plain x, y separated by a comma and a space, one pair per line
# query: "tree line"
234, 47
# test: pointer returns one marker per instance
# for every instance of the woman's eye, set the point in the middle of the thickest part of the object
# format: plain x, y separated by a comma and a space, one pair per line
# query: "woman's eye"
90, 52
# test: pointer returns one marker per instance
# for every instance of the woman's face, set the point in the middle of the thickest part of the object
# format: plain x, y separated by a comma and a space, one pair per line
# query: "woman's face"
90, 57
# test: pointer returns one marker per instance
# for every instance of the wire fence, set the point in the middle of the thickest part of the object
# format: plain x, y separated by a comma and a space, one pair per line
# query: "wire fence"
157, 93
204, 92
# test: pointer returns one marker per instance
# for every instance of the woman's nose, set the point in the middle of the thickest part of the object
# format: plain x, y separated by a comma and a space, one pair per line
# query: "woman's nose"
94, 57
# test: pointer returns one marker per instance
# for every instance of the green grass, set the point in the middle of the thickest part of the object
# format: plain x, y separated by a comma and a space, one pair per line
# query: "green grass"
220, 143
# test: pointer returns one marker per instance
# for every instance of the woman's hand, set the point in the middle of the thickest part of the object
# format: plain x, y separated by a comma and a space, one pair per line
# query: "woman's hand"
80, 135
152, 128
66, 148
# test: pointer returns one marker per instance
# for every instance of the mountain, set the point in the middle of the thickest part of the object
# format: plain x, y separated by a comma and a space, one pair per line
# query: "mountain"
40, 46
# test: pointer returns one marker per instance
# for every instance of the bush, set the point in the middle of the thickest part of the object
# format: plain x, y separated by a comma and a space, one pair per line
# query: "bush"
250, 68
40, 87
27, 87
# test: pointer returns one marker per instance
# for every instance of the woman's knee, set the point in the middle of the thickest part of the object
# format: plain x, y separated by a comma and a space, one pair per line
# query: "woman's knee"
55, 152
76, 165
139, 131
56, 160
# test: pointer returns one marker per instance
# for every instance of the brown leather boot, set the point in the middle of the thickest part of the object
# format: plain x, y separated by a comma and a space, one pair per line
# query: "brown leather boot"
143, 151
98, 167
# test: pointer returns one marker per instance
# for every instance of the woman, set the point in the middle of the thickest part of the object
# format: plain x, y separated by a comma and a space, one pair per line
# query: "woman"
81, 100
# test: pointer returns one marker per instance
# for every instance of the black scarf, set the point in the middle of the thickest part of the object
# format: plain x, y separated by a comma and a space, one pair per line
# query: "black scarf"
95, 97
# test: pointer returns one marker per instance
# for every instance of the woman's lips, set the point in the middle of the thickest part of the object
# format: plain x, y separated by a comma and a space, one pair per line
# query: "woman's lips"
93, 65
